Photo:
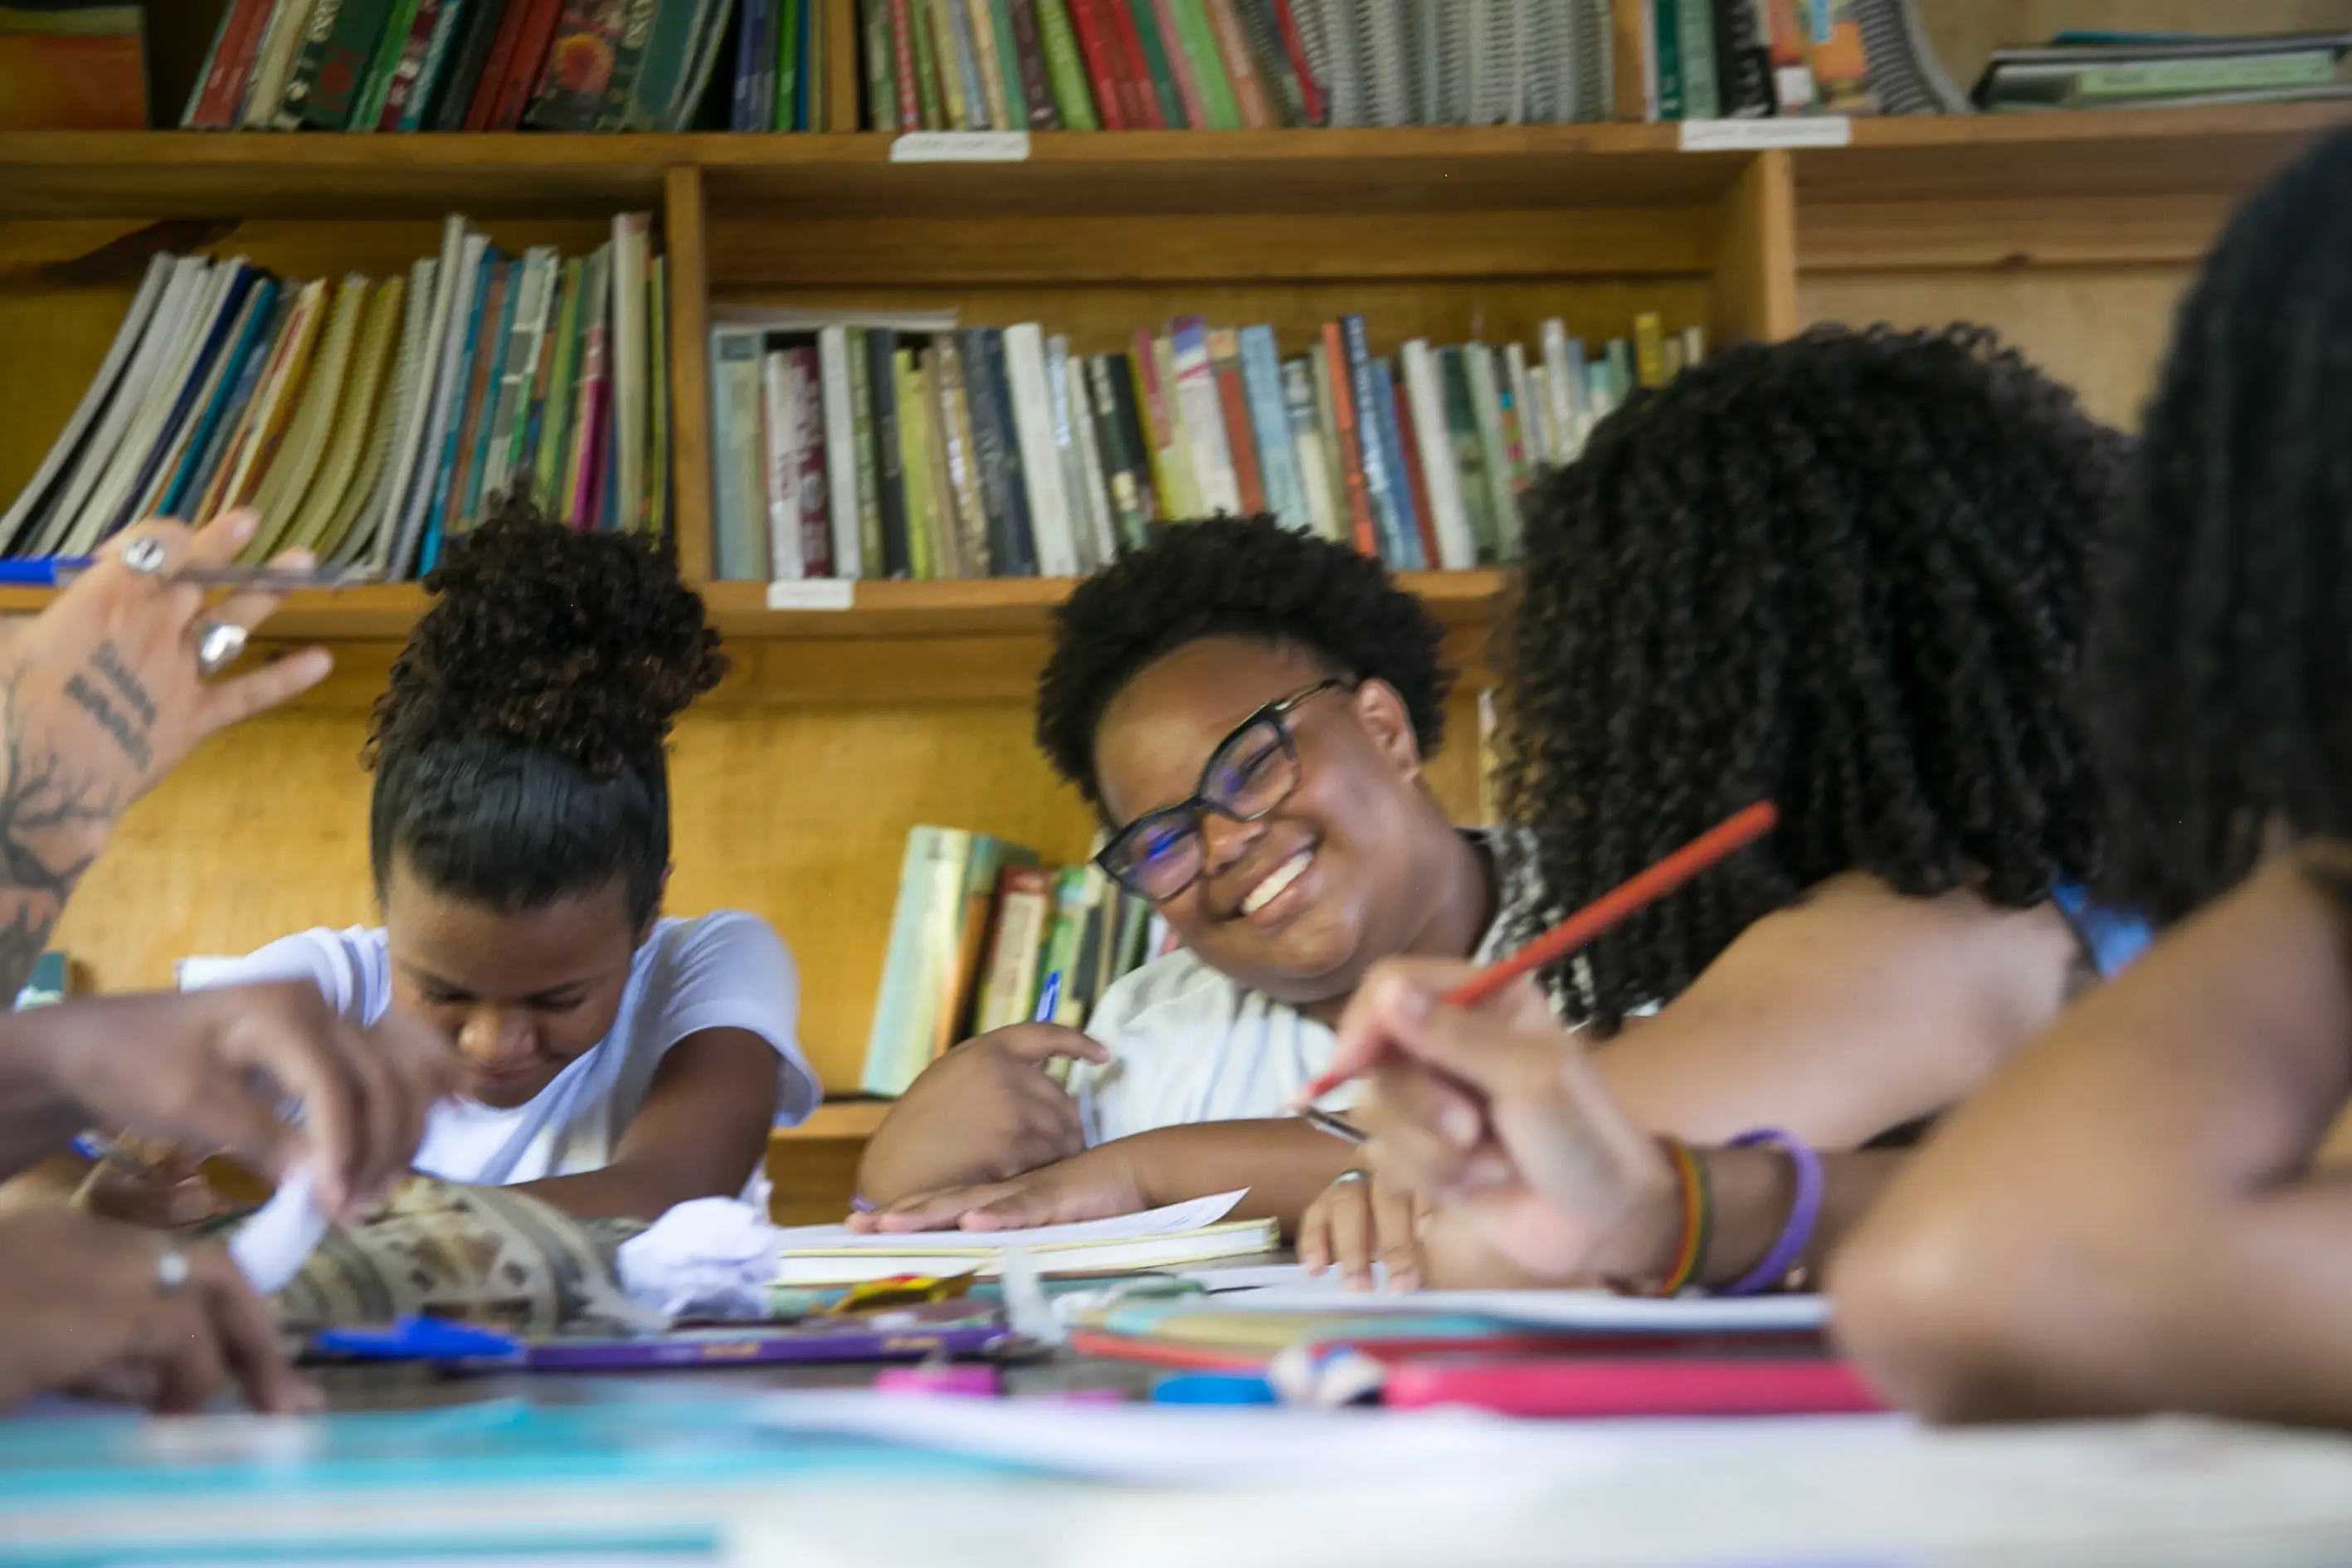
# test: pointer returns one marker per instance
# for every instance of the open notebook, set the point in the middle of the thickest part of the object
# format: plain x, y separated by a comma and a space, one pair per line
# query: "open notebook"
1176, 1237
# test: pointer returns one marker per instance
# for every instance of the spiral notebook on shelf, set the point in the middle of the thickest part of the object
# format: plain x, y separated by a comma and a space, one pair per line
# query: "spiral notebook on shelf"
1179, 1235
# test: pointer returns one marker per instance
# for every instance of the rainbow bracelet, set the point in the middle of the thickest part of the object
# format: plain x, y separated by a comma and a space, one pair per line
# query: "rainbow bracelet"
1789, 1248
1695, 1206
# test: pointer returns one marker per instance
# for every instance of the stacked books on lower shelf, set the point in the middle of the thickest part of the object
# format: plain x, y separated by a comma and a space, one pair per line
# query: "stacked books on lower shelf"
865, 446
981, 933
366, 419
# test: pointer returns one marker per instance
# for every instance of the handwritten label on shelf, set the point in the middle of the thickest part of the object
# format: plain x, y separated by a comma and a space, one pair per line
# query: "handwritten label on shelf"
812, 594
960, 147
1757, 135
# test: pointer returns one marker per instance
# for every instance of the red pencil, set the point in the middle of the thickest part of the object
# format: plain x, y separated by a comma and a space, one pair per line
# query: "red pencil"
1718, 843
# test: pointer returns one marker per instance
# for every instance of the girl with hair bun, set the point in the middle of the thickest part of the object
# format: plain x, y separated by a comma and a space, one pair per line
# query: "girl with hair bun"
615, 1062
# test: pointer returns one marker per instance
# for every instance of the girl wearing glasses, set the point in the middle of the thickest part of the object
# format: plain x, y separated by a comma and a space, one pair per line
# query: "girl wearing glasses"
1251, 711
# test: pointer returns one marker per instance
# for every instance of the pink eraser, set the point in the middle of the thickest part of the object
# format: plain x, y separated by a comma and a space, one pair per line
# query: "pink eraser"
978, 1382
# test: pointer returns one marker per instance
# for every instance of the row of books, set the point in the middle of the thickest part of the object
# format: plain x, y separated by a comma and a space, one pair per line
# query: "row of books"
1084, 65
486, 65
858, 445
368, 419
981, 932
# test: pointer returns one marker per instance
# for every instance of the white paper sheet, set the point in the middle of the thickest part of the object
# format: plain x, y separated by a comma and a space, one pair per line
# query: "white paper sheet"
270, 1248
1191, 1445
1172, 1220
1860, 1492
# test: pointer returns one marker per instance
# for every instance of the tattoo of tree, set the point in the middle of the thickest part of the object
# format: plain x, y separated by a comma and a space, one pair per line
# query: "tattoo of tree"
46, 813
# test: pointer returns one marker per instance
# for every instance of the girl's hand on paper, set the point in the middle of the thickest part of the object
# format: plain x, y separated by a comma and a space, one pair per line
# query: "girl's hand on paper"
1094, 1186
986, 1111
1360, 1220
90, 1307
1498, 1116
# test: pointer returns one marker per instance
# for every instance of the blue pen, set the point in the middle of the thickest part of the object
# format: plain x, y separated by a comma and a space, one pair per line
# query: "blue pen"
56, 570
99, 1150
1048, 999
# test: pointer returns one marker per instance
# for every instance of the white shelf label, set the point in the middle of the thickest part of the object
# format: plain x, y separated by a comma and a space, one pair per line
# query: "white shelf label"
812, 594
1757, 135
960, 147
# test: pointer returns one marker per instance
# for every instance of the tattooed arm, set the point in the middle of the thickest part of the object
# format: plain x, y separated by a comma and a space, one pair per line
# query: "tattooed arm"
102, 698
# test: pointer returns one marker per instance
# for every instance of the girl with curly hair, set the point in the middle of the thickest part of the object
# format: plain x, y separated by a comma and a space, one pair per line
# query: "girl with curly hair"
1847, 574
615, 1062
2147, 1210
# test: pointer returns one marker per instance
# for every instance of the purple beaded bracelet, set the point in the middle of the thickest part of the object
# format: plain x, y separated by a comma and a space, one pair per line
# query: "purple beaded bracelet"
1805, 1214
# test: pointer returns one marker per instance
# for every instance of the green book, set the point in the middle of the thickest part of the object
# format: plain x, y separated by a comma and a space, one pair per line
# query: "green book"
1072, 99
1156, 48
1063, 938
788, 62
367, 110
915, 462
1217, 99
869, 474
881, 68
1008, 64
1666, 23
1469, 454
1702, 98
927, 107
657, 486
661, 65
302, 77
555, 412
344, 63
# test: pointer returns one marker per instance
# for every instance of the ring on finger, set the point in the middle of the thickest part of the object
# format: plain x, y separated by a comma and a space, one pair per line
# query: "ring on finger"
145, 556
1344, 1177
170, 1269
219, 643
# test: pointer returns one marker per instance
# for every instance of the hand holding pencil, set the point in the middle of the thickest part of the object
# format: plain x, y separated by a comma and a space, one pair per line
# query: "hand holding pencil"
1489, 1106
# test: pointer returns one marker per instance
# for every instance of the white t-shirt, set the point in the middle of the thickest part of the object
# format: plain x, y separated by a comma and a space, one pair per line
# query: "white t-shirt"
1188, 1044
723, 971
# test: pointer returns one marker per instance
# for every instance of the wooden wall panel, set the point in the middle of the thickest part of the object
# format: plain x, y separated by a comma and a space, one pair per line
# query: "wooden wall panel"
2103, 329
797, 814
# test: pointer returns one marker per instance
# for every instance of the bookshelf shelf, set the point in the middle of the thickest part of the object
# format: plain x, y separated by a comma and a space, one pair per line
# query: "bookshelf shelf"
916, 612
172, 174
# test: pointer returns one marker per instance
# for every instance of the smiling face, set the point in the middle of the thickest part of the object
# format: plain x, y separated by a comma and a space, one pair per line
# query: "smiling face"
519, 995
1301, 902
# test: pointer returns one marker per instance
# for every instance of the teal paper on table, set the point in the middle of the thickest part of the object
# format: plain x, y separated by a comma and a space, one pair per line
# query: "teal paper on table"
49, 1460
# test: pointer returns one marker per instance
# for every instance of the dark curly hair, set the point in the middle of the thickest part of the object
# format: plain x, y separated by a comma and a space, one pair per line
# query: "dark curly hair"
1233, 577
1847, 574
2221, 652
518, 749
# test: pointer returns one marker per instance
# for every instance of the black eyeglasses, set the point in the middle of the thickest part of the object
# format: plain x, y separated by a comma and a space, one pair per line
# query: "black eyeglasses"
1253, 770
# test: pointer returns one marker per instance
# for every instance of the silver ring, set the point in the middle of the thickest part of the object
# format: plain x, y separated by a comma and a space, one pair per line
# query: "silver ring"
1344, 1177
144, 555
170, 1269
218, 645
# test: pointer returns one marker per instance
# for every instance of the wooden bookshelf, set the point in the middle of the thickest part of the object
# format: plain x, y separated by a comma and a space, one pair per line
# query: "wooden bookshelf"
796, 782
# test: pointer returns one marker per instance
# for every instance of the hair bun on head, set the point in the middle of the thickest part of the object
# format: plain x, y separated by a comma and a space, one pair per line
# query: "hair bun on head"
587, 646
